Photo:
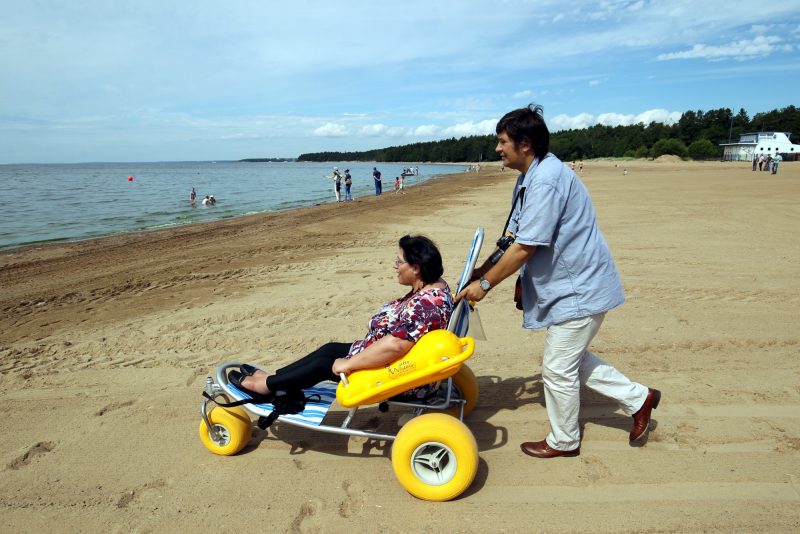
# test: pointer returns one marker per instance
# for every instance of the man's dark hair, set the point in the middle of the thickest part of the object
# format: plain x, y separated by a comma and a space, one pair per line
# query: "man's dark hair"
421, 251
527, 124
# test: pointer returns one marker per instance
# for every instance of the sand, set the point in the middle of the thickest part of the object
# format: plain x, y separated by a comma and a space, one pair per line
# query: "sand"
105, 346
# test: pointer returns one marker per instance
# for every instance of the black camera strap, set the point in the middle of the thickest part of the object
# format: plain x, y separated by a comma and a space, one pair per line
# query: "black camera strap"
517, 198
505, 241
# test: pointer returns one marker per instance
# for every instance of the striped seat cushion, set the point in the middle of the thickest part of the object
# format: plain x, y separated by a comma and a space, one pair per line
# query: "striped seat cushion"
321, 397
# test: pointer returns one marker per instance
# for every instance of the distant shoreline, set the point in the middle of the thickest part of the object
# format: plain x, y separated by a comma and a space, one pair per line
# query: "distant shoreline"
190, 226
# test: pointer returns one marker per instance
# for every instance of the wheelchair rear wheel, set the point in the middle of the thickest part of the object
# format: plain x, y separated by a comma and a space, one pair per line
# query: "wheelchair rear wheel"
466, 387
435, 457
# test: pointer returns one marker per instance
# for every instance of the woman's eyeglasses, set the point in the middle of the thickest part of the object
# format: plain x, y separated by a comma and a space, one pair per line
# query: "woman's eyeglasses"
398, 262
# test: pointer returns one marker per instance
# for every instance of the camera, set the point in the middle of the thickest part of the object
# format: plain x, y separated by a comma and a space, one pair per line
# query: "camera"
502, 245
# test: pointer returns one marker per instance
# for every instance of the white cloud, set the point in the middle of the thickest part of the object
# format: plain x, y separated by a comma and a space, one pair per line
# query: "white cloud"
372, 130
658, 115
595, 82
426, 130
465, 129
523, 94
330, 129
565, 122
382, 130
396, 131
760, 28
585, 120
239, 137
759, 46
615, 119
637, 6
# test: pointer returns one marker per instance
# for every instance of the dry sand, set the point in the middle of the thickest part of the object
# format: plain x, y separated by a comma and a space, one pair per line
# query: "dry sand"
105, 345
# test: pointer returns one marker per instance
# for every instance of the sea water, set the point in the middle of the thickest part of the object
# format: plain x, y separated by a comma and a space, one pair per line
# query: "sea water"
58, 202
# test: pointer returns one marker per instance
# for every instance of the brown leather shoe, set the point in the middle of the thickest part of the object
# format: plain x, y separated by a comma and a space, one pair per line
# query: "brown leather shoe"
541, 449
641, 419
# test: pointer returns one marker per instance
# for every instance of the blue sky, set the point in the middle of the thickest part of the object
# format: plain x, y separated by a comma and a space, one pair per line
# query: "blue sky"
166, 81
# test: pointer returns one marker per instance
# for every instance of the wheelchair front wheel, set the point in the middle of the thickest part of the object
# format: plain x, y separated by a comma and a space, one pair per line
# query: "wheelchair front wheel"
233, 430
435, 457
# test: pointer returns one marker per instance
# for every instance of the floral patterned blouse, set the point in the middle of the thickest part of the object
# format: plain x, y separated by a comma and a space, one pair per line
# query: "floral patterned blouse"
409, 317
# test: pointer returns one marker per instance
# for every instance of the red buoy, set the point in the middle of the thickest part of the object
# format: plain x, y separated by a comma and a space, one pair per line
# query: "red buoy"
130, 178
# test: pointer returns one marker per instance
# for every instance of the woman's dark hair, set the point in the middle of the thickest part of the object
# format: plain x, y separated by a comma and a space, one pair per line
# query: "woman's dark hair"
527, 124
421, 251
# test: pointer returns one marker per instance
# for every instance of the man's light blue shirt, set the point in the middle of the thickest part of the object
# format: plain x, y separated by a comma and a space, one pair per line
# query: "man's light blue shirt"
571, 274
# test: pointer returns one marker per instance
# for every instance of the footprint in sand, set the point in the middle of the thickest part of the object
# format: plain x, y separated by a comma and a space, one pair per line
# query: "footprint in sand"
113, 406
41, 448
137, 493
193, 376
593, 468
308, 519
354, 501
299, 464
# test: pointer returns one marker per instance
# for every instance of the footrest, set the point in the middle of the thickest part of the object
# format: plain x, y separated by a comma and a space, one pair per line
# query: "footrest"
320, 398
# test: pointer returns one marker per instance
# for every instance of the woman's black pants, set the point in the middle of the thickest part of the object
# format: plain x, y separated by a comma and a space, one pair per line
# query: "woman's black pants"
310, 369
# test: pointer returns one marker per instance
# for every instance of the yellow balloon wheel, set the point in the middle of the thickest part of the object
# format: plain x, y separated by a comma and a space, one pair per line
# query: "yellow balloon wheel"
435, 457
466, 387
233, 430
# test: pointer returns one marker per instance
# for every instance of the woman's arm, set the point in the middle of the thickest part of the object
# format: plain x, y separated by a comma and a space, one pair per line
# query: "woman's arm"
385, 350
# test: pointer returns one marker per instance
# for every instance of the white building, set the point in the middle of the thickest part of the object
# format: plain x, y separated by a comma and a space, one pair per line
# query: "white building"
752, 144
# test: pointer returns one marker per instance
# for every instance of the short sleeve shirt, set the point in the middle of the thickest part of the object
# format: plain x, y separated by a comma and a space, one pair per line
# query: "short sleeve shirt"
409, 317
571, 274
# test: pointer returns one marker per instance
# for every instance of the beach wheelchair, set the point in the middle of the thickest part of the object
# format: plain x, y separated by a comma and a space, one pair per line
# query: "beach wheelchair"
434, 455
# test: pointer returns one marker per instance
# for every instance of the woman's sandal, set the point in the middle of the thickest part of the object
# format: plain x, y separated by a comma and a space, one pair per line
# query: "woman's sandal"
236, 377
248, 370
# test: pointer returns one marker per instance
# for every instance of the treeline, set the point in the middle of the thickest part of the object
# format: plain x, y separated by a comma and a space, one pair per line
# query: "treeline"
696, 135
444, 151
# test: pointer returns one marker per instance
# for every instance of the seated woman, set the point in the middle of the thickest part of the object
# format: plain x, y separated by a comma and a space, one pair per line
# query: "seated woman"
393, 330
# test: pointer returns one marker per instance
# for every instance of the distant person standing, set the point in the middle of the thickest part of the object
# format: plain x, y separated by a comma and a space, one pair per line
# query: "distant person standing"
775, 161
376, 175
348, 182
760, 161
402, 185
396, 184
337, 187
755, 162
768, 163
193, 197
